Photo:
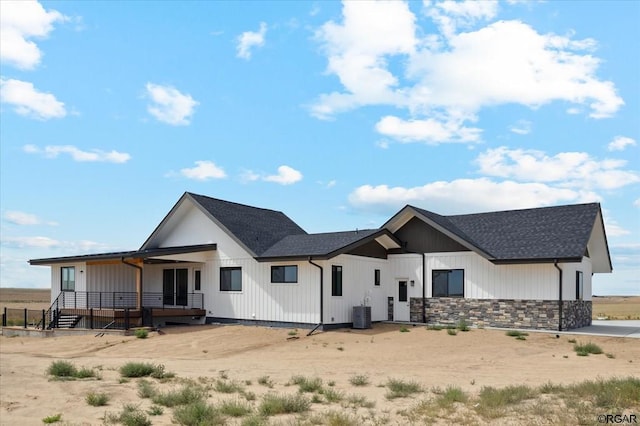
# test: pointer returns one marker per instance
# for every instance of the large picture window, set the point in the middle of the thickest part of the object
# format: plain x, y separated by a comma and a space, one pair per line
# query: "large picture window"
336, 280
579, 285
448, 283
231, 279
284, 274
68, 278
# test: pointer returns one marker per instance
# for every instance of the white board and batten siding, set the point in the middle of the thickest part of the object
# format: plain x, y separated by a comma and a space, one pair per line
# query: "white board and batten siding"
56, 278
485, 280
358, 288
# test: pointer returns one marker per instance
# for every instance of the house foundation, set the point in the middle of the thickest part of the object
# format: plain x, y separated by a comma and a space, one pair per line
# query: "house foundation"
503, 313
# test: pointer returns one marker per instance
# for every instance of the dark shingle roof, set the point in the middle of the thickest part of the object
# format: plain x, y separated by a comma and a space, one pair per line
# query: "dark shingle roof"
560, 232
317, 244
256, 228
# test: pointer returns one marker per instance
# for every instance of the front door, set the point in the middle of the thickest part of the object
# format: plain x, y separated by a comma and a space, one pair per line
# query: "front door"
401, 308
175, 286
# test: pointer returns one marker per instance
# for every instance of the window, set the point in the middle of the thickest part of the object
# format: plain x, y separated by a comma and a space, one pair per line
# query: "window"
68, 278
336, 280
402, 291
231, 279
579, 285
448, 283
376, 277
197, 280
284, 274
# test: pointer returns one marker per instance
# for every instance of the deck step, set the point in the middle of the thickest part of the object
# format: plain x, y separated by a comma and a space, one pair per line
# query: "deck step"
68, 321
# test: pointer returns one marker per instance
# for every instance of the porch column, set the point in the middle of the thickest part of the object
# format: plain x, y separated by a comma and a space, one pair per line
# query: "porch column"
139, 263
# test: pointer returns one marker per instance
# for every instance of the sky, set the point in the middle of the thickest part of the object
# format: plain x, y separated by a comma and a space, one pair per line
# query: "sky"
337, 114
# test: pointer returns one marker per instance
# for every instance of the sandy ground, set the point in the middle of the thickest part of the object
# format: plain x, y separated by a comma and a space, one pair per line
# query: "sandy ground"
433, 358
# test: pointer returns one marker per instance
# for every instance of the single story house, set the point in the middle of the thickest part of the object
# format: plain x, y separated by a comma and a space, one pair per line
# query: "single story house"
211, 260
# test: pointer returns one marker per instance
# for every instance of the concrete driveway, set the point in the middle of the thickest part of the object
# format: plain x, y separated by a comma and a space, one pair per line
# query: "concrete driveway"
613, 328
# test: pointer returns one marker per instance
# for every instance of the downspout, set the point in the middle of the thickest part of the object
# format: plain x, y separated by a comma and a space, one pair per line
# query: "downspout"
424, 286
321, 295
139, 268
555, 263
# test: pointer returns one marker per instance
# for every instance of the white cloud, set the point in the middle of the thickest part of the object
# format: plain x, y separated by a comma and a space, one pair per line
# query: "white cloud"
569, 169
28, 101
521, 127
636, 203
429, 130
30, 242
169, 105
620, 143
21, 21
512, 179
512, 63
249, 39
95, 155
285, 176
204, 170
465, 196
22, 218
613, 228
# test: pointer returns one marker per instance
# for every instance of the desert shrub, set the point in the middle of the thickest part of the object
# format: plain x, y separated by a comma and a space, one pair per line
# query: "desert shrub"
130, 415
493, 401
235, 408
587, 348
141, 333
85, 373
516, 333
307, 385
404, 329
146, 389
155, 410
187, 394
62, 369
255, 420
435, 327
358, 401
223, 386
265, 381
52, 419
273, 404
197, 413
359, 380
463, 325
620, 393
332, 395
338, 418
452, 331
401, 389
450, 395
143, 369
137, 369
97, 399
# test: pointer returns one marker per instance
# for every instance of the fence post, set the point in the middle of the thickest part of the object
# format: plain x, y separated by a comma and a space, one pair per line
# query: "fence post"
126, 319
100, 300
4, 317
43, 319
25, 317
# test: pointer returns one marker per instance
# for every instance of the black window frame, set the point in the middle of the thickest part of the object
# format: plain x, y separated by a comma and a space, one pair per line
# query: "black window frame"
197, 280
336, 280
403, 291
579, 285
67, 281
376, 277
284, 279
228, 286
449, 273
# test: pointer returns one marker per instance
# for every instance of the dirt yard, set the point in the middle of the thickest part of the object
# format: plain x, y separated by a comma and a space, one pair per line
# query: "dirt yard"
258, 361
247, 355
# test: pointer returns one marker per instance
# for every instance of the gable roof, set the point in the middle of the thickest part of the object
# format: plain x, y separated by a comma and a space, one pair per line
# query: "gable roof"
562, 233
327, 245
254, 228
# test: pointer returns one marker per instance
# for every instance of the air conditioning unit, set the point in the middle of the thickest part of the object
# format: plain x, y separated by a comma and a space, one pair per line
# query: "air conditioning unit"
362, 317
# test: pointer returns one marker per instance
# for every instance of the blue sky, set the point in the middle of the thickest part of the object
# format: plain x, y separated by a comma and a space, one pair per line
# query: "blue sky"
337, 114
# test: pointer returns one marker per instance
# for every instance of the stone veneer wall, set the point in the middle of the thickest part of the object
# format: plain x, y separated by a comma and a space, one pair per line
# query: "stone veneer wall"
506, 313
576, 314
